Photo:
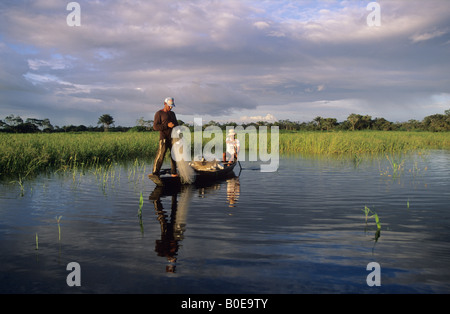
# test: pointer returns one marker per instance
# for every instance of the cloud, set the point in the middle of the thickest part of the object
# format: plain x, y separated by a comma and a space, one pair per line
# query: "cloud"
267, 118
427, 36
223, 58
261, 25
54, 64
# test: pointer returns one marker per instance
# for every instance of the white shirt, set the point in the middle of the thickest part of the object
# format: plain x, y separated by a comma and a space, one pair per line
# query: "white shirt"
233, 146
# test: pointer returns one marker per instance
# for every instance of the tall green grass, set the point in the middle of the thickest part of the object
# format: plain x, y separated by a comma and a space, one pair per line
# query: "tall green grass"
361, 142
25, 154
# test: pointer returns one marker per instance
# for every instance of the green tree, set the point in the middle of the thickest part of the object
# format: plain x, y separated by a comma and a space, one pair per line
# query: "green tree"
381, 124
437, 123
36, 122
27, 127
412, 125
353, 119
329, 123
147, 124
106, 120
47, 125
13, 121
365, 122
318, 121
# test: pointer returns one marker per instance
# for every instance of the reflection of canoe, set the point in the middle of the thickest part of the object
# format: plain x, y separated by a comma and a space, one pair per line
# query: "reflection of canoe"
204, 171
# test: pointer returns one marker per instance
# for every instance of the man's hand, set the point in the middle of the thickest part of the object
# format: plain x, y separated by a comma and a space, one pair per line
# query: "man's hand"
170, 125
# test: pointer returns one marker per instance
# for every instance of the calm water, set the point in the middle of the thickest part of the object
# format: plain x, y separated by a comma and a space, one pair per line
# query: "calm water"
299, 230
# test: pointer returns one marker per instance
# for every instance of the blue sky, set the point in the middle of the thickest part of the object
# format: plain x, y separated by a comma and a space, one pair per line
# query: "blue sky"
304, 11
234, 60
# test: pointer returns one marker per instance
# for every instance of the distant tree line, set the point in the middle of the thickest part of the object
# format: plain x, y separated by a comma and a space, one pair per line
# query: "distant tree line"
15, 124
354, 122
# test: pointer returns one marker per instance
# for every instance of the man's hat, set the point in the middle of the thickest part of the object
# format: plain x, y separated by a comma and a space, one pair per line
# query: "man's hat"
170, 101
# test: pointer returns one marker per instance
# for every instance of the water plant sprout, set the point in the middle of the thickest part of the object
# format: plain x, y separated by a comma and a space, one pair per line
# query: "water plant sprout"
58, 219
141, 204
367, 211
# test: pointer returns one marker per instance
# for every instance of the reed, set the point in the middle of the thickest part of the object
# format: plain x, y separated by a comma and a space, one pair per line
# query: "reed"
22, 155
141, 204
58, 219
367, 211
362, 142
397, 166
25, 154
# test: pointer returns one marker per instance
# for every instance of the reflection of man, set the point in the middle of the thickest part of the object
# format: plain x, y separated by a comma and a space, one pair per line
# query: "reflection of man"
170, 235
171, 232
233, 191
165, 120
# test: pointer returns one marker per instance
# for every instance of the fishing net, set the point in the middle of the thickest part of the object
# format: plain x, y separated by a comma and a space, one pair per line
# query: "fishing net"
182, 157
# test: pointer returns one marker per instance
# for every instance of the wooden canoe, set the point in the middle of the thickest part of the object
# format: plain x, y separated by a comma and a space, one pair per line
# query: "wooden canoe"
204, 171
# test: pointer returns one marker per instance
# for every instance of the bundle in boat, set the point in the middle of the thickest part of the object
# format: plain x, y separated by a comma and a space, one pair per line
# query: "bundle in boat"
204, 165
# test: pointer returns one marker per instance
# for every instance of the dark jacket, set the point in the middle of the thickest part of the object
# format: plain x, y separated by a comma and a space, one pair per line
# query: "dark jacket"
161, 121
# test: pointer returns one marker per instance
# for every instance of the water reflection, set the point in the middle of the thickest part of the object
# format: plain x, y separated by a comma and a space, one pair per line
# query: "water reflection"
233, 191
300, 230
178, 197
173, 226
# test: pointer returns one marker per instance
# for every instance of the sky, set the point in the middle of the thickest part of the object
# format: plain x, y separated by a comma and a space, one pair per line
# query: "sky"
227, 61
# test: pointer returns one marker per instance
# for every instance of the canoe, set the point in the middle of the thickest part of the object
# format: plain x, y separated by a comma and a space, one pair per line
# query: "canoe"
204, 171
212, 169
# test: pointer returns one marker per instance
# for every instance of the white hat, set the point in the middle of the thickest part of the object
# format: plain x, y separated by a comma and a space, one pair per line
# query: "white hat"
231, 132
170, 101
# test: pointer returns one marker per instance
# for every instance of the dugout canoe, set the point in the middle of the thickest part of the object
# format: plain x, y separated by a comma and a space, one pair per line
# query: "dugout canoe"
204, 171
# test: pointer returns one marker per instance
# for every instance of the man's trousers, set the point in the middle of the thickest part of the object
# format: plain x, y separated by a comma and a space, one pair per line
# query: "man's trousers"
164, 145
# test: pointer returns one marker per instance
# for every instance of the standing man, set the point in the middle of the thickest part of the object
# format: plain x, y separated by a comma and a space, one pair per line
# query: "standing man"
165, 120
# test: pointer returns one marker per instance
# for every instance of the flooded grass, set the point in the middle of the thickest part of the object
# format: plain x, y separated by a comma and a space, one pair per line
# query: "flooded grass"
362, 142
22, 155
25, 154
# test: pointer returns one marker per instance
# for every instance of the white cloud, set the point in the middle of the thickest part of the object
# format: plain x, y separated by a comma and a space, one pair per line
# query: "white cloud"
261, 25
427, 36
267, 118
224, 57
55, 62
40, 79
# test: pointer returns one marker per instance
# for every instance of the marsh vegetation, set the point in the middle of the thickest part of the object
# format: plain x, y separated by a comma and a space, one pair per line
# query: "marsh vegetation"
22, 155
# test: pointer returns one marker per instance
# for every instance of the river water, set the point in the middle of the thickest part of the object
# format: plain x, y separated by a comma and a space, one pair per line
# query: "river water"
302, 229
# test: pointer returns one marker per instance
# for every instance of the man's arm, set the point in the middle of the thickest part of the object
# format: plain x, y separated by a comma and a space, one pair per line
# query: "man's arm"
173, 120
157, 123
